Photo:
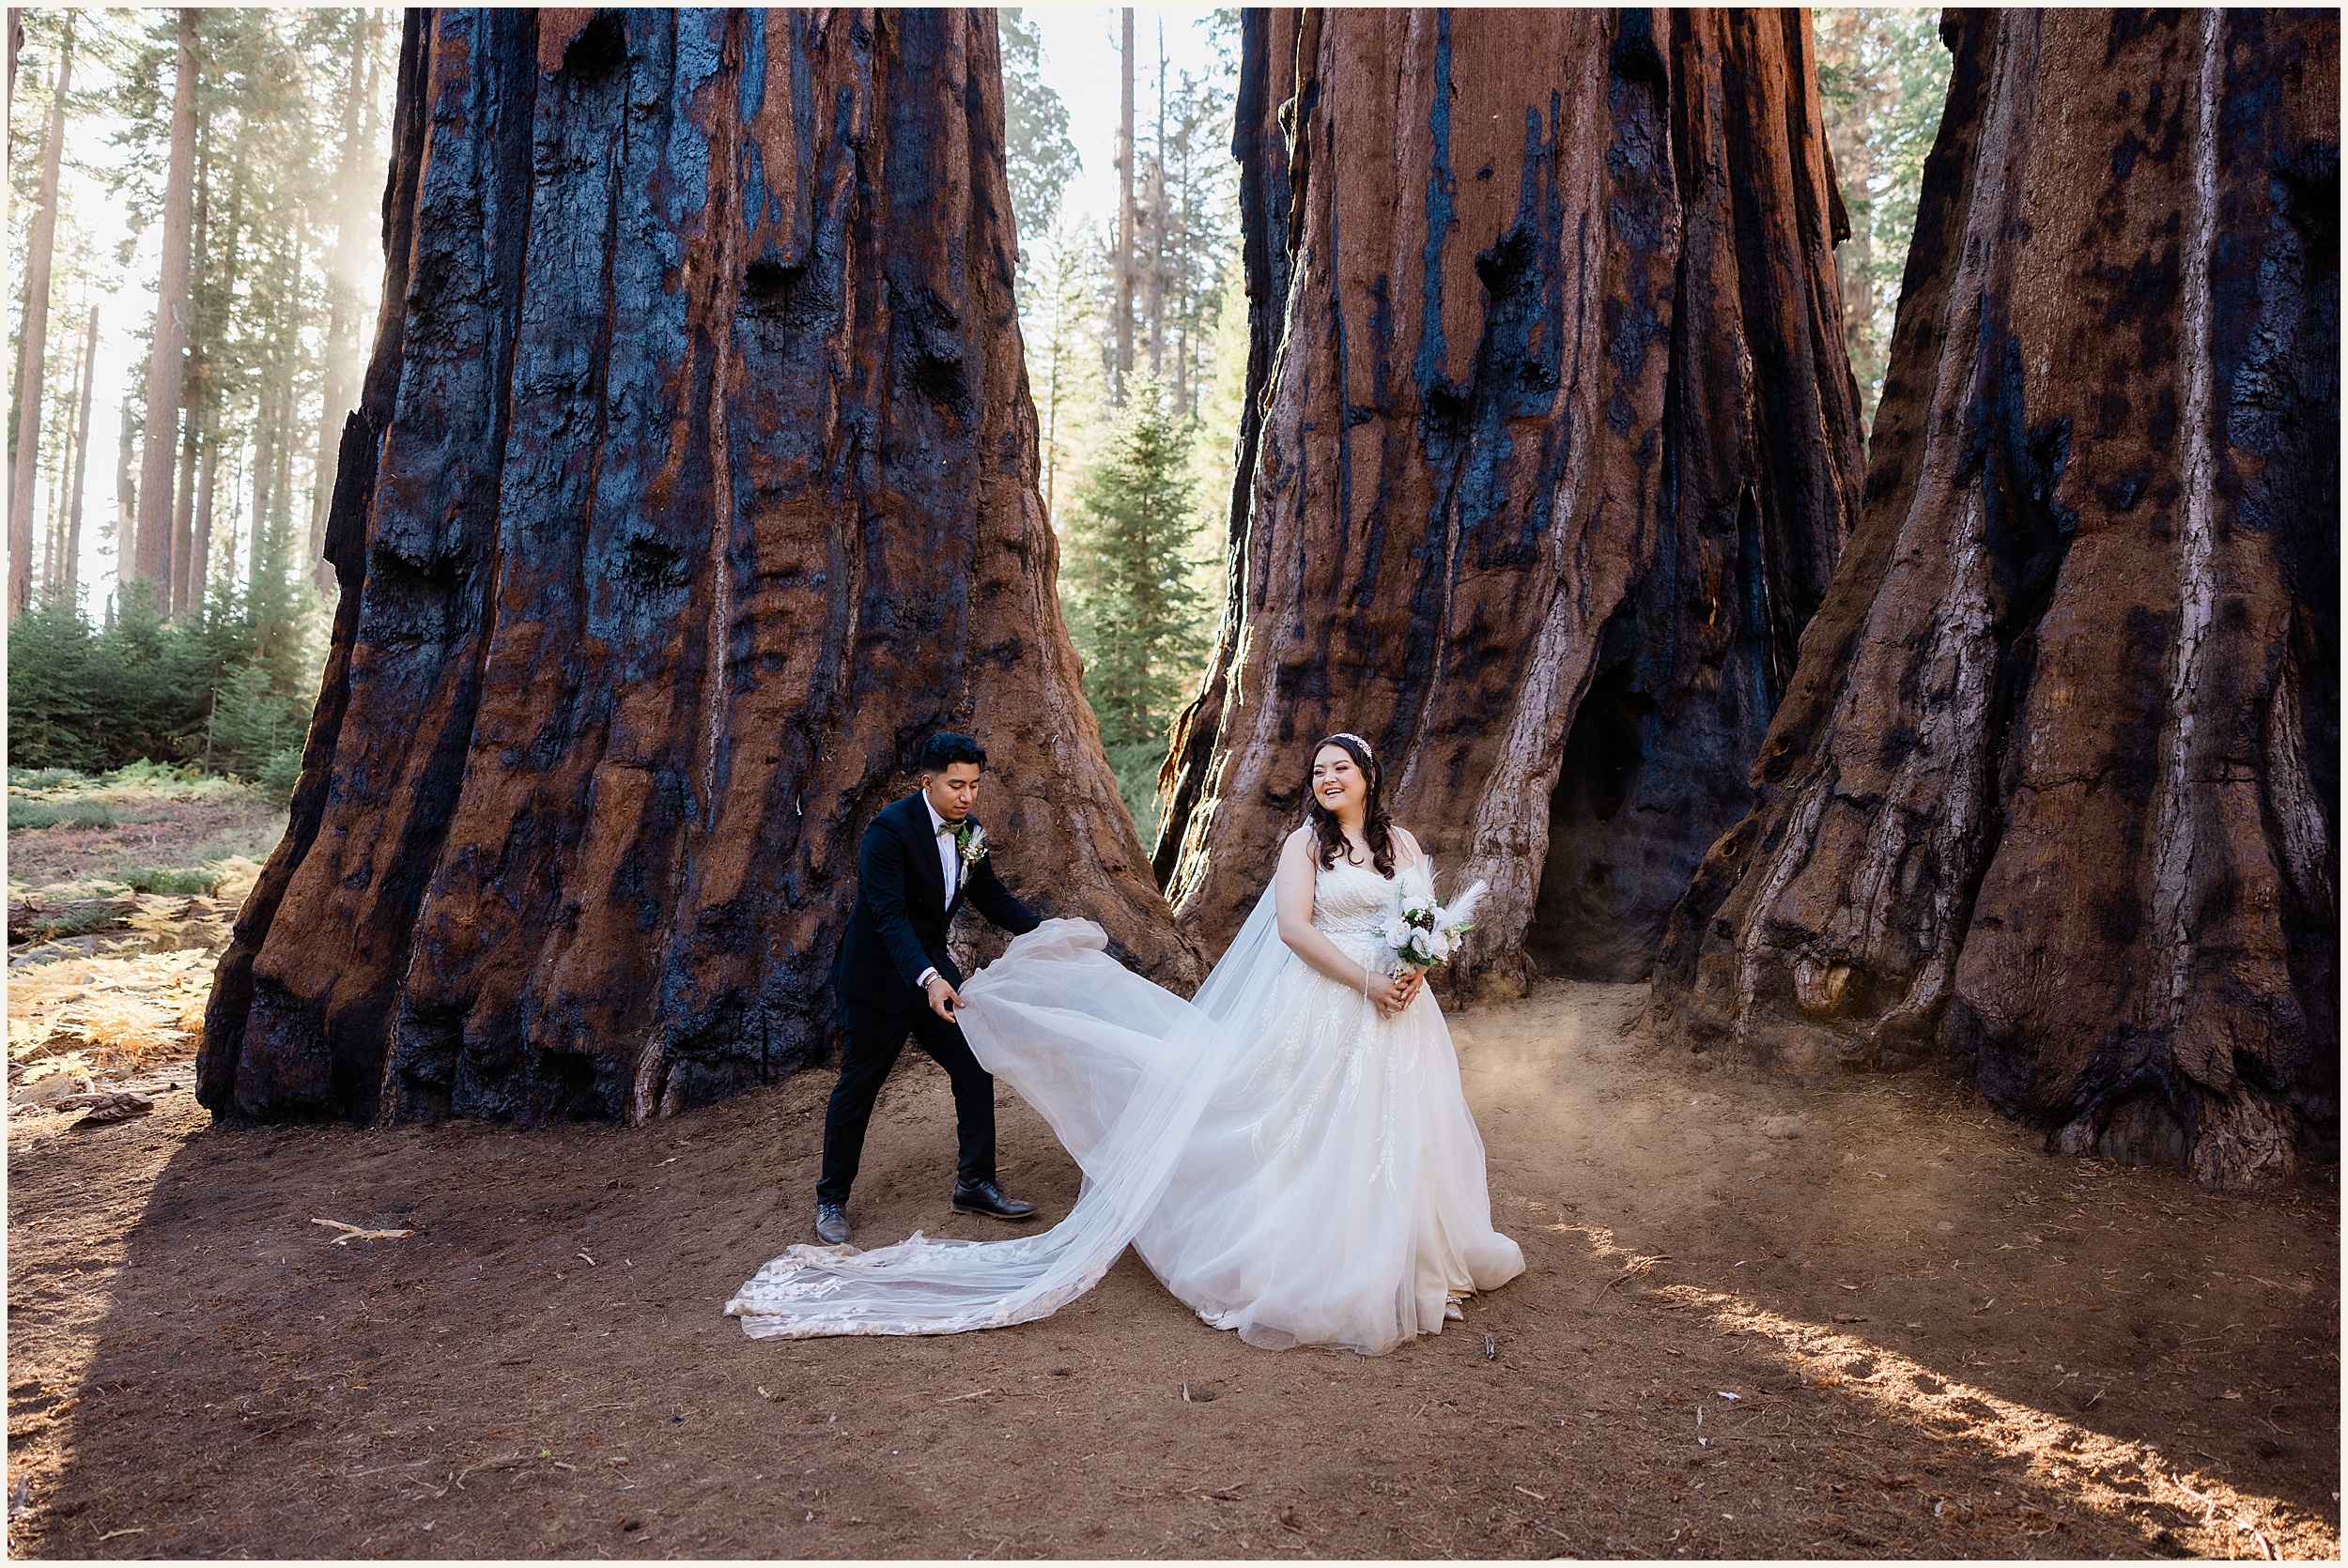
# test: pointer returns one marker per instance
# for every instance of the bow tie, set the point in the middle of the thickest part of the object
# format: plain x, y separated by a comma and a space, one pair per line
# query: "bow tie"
944, 828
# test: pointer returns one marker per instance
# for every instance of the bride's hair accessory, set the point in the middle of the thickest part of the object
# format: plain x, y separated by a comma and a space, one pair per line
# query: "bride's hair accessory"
1349, 736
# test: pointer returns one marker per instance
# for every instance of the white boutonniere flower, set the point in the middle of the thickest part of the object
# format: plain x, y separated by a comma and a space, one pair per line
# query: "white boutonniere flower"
970, 841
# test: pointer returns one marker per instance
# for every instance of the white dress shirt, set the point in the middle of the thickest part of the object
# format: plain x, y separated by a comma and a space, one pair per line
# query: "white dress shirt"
948, 863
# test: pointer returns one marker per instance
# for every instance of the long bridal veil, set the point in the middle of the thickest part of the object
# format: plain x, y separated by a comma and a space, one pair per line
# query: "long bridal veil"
1122, 1070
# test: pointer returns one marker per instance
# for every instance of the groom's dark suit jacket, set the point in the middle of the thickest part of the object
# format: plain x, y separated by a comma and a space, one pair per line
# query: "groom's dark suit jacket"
898, 926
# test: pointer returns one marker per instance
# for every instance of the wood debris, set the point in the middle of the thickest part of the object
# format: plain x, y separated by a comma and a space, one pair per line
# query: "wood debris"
358, 1232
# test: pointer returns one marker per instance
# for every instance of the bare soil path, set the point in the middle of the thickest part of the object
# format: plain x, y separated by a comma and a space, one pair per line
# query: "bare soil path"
1757, 1321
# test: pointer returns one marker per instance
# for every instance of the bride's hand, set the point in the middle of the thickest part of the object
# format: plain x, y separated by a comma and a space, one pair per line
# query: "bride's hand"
1386, 992
1413, 982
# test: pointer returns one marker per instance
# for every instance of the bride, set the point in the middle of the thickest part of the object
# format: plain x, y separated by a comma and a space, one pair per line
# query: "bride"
1289, 1152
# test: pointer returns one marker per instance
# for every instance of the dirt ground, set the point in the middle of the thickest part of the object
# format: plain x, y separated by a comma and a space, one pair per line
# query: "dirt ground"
1756, 1321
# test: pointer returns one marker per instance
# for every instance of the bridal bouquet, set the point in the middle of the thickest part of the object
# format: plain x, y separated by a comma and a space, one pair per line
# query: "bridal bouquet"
1422, 932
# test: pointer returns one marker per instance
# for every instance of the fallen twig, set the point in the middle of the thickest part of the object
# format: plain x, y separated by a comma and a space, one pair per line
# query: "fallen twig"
358, 1232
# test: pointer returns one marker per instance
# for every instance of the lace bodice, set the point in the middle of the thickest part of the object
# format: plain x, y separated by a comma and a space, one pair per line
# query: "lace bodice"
1351, 900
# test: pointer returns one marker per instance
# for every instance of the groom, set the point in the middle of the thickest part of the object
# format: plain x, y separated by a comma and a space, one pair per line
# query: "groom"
921, 858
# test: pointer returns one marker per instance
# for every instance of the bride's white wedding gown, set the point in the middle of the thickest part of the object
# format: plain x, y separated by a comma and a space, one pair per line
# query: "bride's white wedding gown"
1289, 1164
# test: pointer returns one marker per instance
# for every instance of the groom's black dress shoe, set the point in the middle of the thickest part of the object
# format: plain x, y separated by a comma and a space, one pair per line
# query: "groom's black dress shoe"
985, 1197
831, 1223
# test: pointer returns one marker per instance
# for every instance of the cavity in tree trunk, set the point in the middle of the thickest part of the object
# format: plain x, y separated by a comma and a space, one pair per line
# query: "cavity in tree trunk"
165, 372
33, 354
2056, 785
1559, 445
693, 484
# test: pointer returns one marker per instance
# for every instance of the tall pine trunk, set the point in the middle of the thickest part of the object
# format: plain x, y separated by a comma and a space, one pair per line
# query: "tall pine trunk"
165, 374
81, 459
693, 484
183, 502
1556, 449
31, 367
200, 538
353, 226
127, 496
1123, 326
264, 437
2056, 786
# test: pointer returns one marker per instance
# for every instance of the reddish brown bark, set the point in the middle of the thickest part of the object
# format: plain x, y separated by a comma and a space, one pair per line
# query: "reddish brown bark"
693, 484
2056, 785
1549, 447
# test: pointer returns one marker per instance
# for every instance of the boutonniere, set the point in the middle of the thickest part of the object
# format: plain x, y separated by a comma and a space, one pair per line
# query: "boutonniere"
970, 839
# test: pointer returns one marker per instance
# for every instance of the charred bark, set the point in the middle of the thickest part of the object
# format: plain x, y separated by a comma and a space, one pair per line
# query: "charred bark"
1549, 447
693, 484
2056, 786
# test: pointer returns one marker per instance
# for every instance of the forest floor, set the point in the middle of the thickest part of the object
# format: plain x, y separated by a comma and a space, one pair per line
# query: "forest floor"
1757, 1320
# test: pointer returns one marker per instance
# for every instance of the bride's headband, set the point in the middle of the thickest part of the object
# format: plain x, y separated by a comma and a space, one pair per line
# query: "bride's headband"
1349, 736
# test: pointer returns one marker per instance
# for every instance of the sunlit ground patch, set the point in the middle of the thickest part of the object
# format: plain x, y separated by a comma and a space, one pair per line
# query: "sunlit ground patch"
2096, 1471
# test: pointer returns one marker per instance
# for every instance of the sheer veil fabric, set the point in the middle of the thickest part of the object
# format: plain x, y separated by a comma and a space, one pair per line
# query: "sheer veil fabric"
1291, 1165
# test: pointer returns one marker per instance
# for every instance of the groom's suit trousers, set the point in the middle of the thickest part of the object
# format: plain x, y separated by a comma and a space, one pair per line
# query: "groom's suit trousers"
870, 1042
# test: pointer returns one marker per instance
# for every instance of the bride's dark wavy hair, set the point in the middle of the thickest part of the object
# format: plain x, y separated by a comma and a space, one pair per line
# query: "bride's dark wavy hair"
1324, 822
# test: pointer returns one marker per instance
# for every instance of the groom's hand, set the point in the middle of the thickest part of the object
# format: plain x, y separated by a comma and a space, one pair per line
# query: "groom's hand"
943, 998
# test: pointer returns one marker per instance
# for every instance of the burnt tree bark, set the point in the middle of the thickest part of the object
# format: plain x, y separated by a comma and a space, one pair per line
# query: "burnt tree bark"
1549, 449
692, 484
2056, 786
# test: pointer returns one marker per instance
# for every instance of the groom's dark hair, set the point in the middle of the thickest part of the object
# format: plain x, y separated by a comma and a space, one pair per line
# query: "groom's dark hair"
947, 748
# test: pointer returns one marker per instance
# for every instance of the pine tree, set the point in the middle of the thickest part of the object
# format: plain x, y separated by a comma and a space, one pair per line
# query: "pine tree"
165, 374
1060, 318
1041, 156
1135, 609
1883, 74
32, 369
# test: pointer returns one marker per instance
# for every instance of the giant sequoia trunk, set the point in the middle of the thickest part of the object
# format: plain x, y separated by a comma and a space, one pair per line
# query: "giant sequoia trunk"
1549, 450
2056, 786
692, 484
